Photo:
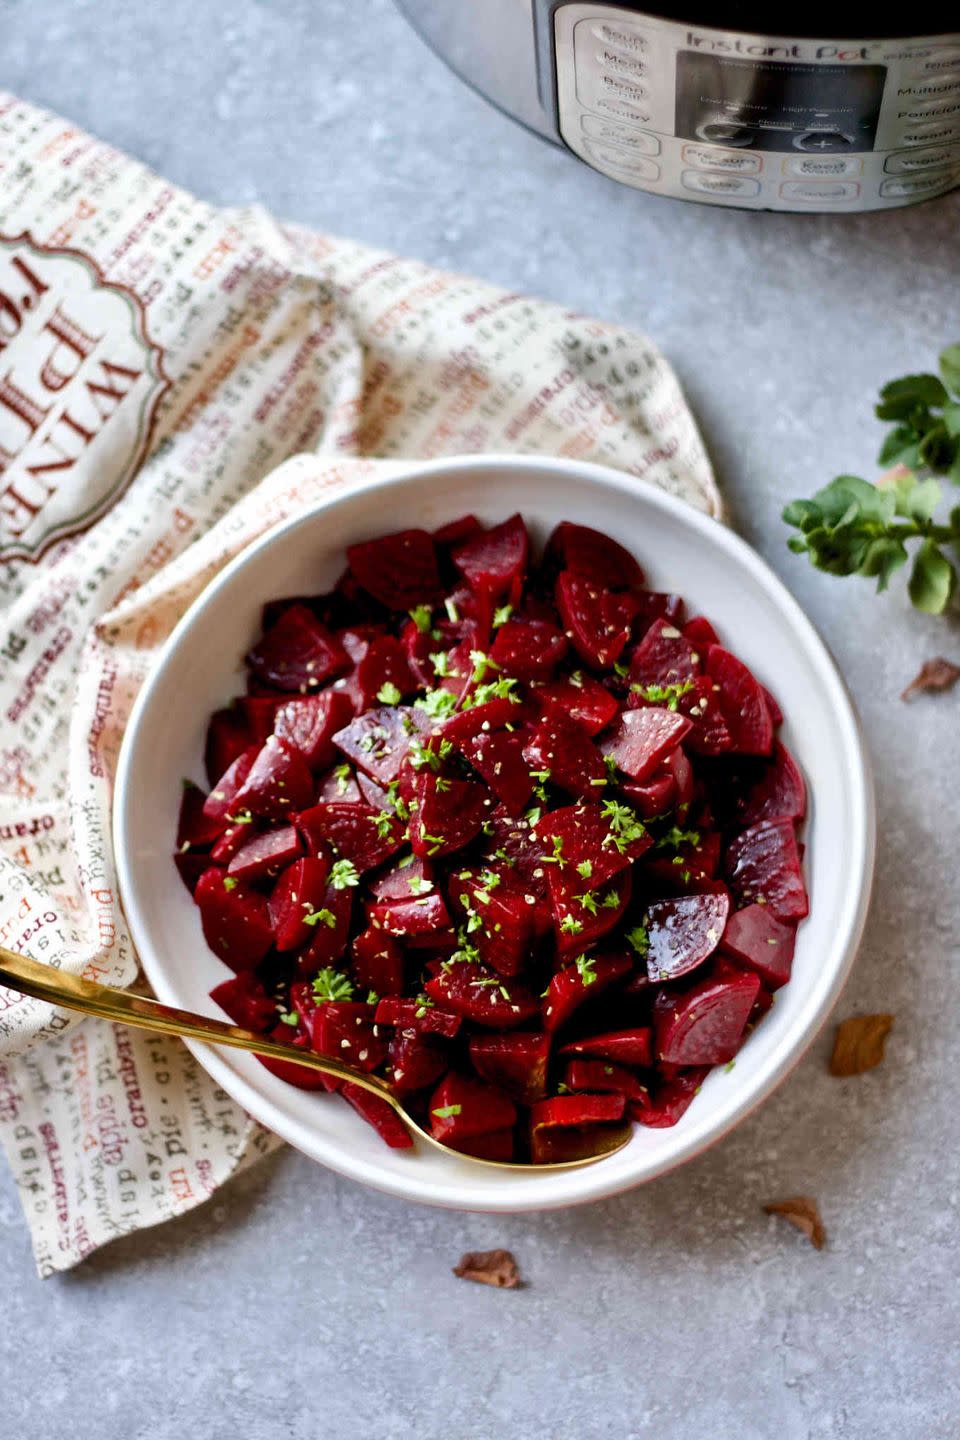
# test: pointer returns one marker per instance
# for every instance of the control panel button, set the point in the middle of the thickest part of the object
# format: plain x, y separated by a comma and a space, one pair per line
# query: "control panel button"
706, 182
943, 105
823, 167
641, 142
638, 115
709, 157
617, 64
726, 132
929, 159
933, 132
623, 35
819, 141
939, 59
915, 185
610, 157
820, 192
934, 85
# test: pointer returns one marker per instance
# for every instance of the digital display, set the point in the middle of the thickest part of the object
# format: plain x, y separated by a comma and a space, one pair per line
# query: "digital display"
777, 105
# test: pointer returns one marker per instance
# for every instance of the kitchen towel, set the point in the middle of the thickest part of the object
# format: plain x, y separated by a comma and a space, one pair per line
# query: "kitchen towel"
174, 380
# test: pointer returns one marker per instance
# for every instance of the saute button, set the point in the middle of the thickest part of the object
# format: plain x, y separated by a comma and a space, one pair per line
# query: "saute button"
904, 185
709, 157
708, 183
610, 156
820, 192
927, 159
639, 142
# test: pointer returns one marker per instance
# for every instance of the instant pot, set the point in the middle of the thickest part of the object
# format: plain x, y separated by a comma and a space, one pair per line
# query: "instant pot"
832, 107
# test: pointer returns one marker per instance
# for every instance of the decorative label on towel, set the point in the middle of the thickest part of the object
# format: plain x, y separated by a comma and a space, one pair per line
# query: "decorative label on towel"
80, 382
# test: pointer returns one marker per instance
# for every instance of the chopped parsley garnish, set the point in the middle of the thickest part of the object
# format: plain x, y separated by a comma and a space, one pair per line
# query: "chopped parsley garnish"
422, 617
344, 875
438, 704
585, 869
229, 882
319, 917
332, 985
290, 1017
638, 940
388, 694
502, 615
445, 1112
481, 664
668, 695
625, 826
570, 925
453, 614
588, 902
586, 968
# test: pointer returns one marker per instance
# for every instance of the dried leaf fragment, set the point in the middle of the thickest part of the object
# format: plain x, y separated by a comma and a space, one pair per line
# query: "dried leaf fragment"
933, 675
489, 1267
801, 1211
859, 1044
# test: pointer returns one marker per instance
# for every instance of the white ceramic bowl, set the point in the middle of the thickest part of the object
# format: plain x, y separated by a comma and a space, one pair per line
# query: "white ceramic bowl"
201, 668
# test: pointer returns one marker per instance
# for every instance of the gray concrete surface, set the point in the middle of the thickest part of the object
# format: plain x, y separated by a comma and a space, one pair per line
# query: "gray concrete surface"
299, 1305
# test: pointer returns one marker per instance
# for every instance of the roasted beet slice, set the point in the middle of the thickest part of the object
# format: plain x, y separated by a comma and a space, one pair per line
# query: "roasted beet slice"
384, 672
278, 783
461, 1107
414, 1061
678, 765
219, 805
329, 931
246, 1001
498, 756
763, 867
479, 719
356, 833
196, 830
379, 1114
309, 723
744, 705
448, 814
416, 915
339, 786
265, 854
456, 531
228, 736
260, 713
773, 705
378, 963
480, 995
298, 892
653, 797
232, 841
593, 554
190, 866
345, 1030
582, 912
703, 706
683, 933
405, 878
235, 922
670, 1099
581, 698
701, 633
594, 620
399, 570
754, 937
604, 837
516, 1062
297, 653
642, 738
496, 560
566, 1127
604, 1078
501, 919
663, 657
779, 794
560, 750
656, 605
420, 1015
624, 1047
528, 649
378, 742
288, 1070
589, 977
705, 1025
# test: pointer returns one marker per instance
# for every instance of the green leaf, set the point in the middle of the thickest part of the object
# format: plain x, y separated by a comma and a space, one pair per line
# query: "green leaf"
882, 559
932, 579
800, 512
848, 498
937, 448
951, 419
901, 447
950, 368
915, 500
901, 398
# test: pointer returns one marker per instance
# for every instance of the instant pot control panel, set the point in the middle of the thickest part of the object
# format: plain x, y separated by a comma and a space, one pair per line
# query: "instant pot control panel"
757, 121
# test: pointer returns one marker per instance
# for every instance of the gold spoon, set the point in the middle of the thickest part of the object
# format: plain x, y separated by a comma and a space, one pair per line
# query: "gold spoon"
44, 982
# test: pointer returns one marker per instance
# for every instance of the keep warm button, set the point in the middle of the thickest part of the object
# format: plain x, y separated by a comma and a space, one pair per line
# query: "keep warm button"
820, 192
709, 183
709, 157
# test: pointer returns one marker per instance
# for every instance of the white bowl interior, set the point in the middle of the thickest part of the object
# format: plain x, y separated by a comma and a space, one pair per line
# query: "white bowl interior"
201, 669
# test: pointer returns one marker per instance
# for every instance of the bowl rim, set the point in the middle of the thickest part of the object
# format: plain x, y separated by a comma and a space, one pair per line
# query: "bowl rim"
593, 1182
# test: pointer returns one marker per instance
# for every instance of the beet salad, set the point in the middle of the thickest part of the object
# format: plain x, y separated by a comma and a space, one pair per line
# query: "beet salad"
516, 835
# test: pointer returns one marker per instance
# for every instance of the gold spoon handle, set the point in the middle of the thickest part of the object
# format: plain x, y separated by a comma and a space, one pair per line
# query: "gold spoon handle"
44, 982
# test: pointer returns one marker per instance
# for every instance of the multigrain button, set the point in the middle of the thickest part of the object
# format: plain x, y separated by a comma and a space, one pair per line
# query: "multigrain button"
930, 159
931, 86
903, 186
707, 183
820, 192
640, 142
823, 167
613, 158
709, 157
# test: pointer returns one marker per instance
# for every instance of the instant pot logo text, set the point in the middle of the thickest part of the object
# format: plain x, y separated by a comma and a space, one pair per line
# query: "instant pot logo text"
780, 50
79, 386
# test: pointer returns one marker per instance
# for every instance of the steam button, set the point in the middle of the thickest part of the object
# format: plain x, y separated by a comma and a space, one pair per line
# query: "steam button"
814, 141
725, 132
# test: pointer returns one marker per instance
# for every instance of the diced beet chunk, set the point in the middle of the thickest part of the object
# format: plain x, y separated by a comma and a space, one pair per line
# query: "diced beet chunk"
420, 1014
309, 723
219, 804
455, 531
671, 1098
583, 699
744, 705
582, 912
298, 892
528, 649
604, 1078
265, 854
399, 570
195, 828
663, 657
496, 560
278, 783
517, 1062
378, 742
779, 794
763, 867
502, 917
683, 933
405, 878
228, 736
378, 962
606, 837
414, 1061
346, 1031
297, 653
624, 1047
384, 668
577, 983
448, 814
641, 739
416, 915
653, 797
235, 922
591, 553
302, 1076
498, 756
246, 1001
462, 1107
570, 1127
480, 995
701, 633
757, 939
356, 833
594, 620
380, 1114
564, 751
705, 1025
